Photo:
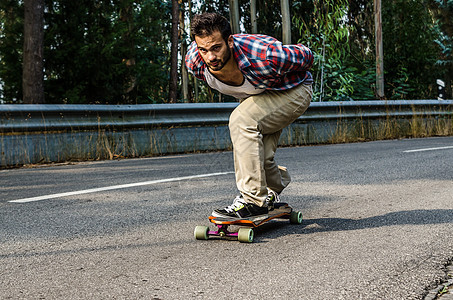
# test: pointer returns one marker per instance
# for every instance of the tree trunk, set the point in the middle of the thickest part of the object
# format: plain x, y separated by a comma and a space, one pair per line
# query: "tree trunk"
130, 81
173, 93
32, 70
448, 78
379, 50
253, 16
184, 72
234, 16
195, 94
286, 22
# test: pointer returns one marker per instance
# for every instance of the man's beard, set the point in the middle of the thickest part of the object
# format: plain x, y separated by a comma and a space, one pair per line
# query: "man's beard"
220, 63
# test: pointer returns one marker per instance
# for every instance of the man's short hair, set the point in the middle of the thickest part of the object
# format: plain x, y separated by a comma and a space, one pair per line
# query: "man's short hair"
208, 23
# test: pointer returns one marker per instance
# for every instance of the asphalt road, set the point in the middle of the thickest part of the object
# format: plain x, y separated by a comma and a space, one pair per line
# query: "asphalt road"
378, 225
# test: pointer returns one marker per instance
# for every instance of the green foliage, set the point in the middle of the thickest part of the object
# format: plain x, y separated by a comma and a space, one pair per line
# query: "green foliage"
117, 51
341, 33
400, 85
443, 29
95, 51
327, 35
11, 41
409, 50
445, 44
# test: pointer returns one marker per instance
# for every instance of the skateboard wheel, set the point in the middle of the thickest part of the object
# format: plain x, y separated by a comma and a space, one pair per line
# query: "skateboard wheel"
201, 232
295, 217
245, 235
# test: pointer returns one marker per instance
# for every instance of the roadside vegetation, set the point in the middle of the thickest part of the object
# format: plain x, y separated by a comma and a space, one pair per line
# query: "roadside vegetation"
118, 51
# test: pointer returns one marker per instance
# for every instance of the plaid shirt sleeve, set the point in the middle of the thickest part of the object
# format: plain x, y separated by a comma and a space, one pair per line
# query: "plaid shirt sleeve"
194, 63
269, 64
289, 58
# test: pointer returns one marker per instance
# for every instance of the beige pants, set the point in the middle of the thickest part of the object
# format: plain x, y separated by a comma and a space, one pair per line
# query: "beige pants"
255, 128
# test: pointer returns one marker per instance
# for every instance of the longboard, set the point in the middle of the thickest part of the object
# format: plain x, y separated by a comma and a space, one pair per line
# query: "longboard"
245, 234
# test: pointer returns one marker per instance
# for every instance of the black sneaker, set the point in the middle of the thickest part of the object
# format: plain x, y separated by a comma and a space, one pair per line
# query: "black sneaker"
240, 209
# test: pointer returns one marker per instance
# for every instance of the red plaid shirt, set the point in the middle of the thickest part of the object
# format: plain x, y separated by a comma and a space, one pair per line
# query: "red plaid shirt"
263, 60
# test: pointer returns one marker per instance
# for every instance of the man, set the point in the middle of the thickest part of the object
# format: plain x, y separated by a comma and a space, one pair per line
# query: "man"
274, 85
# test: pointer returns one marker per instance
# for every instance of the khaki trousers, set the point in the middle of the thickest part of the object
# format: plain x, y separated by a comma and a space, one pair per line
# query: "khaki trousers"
255, 128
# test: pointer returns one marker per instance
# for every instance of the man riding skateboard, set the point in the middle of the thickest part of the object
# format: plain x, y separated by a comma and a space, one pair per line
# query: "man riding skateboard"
273, 84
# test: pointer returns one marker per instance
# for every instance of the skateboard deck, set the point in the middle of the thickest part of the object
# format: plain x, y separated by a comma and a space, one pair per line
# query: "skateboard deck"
246, 233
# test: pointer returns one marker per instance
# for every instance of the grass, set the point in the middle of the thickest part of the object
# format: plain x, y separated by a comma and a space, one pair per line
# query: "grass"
361, 130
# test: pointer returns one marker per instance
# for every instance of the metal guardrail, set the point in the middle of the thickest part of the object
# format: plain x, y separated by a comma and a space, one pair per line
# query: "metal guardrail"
22, 118
55, 133
39, 118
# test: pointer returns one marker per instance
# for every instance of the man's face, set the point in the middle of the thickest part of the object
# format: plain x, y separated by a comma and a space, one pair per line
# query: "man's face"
214, 50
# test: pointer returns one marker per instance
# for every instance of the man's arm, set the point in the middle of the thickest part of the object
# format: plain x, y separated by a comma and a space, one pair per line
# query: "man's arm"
289, 58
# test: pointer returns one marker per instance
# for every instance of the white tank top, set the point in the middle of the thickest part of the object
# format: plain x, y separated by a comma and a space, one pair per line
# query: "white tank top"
246, 89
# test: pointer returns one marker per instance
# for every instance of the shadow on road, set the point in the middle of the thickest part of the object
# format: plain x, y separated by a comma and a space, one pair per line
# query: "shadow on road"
411, 217
309, 226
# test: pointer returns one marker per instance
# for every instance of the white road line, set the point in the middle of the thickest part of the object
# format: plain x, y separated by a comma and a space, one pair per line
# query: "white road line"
428, 149
115, 187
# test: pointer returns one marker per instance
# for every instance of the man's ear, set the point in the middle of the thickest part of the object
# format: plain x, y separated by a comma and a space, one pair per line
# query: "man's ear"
230, 42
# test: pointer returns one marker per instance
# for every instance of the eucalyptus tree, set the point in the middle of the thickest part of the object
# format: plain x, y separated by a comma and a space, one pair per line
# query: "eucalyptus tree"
32, 70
